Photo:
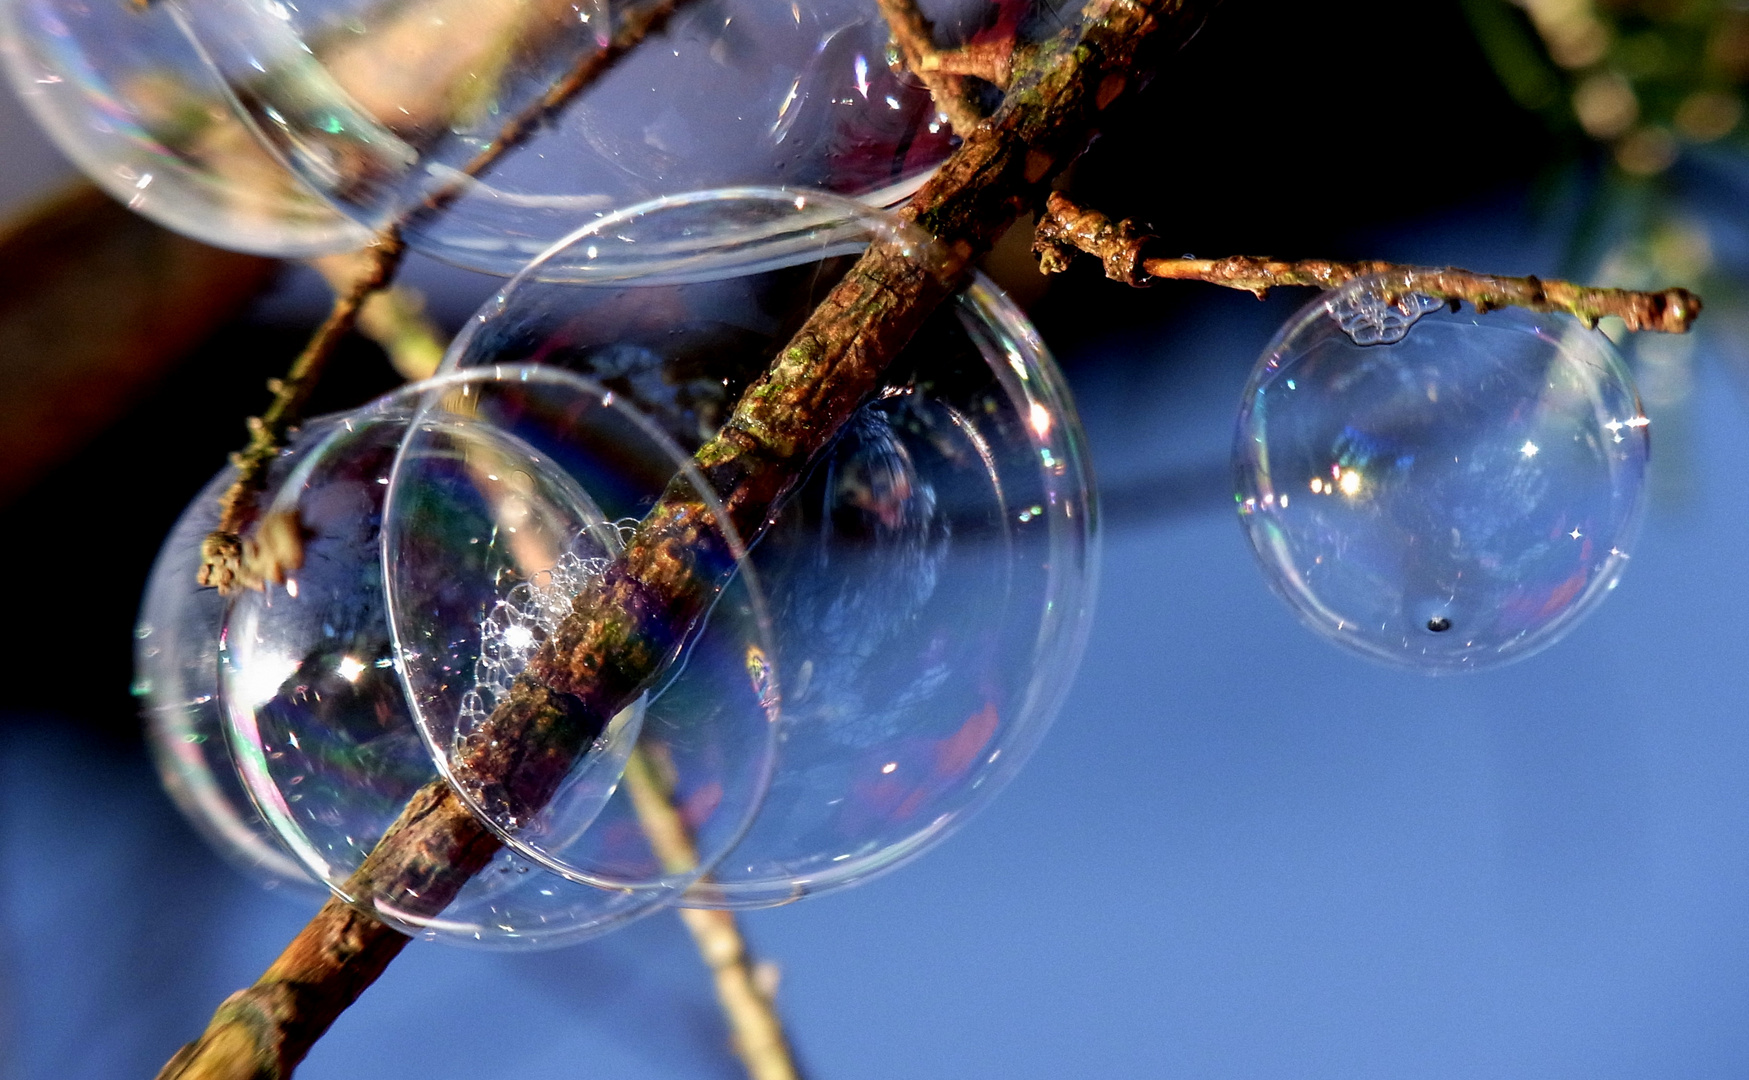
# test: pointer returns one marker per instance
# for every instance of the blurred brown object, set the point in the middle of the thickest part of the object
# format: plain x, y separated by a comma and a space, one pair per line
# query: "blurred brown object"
96, 304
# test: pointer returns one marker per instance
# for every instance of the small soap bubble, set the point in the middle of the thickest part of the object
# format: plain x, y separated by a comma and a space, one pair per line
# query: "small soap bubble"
493, 546
1466, 487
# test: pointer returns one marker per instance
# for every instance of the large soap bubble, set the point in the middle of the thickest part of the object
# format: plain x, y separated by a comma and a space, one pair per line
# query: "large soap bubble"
386, 105
125, 94
1440, 489
930, 579
499, 499
176, 678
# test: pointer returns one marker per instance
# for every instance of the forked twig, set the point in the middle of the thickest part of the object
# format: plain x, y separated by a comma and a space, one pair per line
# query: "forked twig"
915, 36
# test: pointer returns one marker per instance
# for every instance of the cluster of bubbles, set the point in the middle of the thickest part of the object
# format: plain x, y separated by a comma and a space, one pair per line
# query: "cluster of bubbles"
519, 624
1372, 317
296, 129
863, 679
1435, 487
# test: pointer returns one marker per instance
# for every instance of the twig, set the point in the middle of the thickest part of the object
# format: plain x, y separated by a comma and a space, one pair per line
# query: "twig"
639, 24
758, 1035
986, 60
916, 40
1067, 228
627, 622
227, 560
394, 318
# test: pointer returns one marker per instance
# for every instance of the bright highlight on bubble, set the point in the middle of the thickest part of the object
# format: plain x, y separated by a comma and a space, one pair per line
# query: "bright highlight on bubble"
176, 678
444, 531
1473, 482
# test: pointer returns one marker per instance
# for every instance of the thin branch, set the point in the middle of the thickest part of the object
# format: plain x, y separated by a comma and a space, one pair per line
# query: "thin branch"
915, 37
1067, 228
757, 1032
228, 561
394, 318
753, 1021
639, 23
621, 627
990, 61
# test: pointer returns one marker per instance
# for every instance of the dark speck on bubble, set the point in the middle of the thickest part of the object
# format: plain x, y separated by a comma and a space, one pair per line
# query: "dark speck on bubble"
1439, 624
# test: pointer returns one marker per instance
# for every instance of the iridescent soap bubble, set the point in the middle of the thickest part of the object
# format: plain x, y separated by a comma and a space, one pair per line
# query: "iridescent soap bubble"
1444, 490
931, 576
124, 94
176, 678
493, 471
384, 105
506, 507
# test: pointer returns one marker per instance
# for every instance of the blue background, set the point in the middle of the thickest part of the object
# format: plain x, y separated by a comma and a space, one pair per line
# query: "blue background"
1239, 853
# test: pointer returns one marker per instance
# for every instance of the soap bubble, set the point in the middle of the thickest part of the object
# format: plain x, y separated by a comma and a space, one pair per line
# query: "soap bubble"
176, 678
495, 476
383, 104
127, 97
931, 577
1436, 489
489, 545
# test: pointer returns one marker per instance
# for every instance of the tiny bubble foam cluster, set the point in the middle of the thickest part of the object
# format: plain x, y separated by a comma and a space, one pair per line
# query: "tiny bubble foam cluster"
1369, 317
517, 627
1444, 490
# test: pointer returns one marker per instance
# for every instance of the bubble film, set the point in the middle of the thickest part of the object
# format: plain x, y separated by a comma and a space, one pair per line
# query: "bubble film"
384, 104
319, 716
129, 99
176, 678
508, 504
1441, 490
929, 581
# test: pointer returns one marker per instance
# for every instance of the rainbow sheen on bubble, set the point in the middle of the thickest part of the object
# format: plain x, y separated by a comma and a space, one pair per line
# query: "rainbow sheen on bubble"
384, 105
930, 578
1443, 490
489, 469
176, 678
124, 94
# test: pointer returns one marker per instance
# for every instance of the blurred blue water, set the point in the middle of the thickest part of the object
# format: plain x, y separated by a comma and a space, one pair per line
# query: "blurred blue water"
1240, 852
